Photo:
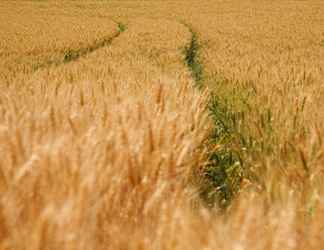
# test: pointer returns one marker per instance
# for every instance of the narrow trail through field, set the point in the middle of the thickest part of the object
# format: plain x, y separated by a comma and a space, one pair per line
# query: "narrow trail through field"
191, 57
75, 54
223, 171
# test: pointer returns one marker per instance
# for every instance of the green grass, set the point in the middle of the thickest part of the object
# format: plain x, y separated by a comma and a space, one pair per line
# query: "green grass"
192, 60
220, 179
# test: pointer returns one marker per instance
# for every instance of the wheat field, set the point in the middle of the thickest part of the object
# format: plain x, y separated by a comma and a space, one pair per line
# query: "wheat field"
162, 125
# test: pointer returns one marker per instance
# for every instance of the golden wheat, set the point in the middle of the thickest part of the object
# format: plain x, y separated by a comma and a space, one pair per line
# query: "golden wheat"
98, 151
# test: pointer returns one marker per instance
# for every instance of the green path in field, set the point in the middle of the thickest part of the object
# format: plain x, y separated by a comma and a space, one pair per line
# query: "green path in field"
221, 177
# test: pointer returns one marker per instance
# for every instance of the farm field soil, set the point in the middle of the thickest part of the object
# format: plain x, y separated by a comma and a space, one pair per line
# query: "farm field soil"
161, 124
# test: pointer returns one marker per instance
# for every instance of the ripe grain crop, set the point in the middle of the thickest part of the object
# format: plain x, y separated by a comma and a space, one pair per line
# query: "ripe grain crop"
161, 125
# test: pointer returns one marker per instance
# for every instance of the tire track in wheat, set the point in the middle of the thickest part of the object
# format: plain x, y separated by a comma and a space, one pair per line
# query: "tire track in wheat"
224, 169
75, 54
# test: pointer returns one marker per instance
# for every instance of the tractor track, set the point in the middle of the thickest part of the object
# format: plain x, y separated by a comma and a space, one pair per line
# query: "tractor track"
221, 176
73, 55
